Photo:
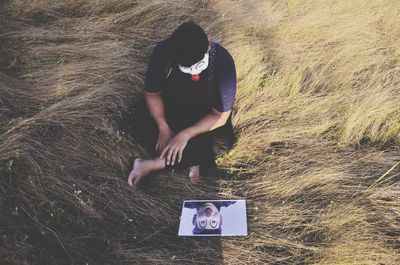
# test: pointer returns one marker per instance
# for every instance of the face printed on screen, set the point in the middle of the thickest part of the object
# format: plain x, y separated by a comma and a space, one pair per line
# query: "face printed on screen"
196, 68
208, 217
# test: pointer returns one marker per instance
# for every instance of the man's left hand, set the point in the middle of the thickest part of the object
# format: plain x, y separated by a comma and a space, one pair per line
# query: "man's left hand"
174, 148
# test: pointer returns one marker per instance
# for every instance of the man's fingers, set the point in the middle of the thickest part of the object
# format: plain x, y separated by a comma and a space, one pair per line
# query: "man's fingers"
173, 157
180, 155
169, 155
162, 147
164, 151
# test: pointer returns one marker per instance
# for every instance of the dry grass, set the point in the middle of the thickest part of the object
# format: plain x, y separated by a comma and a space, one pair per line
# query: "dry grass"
317, 117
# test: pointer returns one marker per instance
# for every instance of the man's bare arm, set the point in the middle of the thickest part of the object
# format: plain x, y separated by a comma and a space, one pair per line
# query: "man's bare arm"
174, 149
155, 104
209, 122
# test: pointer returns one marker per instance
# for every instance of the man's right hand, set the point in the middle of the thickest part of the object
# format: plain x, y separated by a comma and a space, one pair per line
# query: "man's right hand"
164, 136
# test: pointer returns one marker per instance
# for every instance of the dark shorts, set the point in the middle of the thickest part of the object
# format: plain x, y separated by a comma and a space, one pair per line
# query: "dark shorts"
202, 149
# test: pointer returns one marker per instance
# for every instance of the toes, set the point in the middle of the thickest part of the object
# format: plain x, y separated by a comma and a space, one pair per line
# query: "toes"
134, 180
131, 178
194, 174
195, 178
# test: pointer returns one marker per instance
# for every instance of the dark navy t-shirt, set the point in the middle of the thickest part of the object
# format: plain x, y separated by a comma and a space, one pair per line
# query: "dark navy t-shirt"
186, 100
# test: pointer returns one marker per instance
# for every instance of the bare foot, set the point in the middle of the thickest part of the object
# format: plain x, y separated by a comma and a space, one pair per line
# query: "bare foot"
140, 169
194, 173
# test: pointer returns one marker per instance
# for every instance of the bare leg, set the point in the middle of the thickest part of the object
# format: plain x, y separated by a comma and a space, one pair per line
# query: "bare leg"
194, 173
142, 167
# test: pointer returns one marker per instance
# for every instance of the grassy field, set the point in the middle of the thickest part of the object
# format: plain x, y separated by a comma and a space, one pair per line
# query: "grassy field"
317, 118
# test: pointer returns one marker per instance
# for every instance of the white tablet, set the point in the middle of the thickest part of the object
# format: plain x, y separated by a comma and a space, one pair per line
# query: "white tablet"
213, 218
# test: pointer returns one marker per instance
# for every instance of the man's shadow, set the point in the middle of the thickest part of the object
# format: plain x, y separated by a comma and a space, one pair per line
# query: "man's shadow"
173, 188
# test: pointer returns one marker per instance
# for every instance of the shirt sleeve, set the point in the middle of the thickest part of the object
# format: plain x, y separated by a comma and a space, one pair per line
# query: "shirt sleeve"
155, 70
226, 82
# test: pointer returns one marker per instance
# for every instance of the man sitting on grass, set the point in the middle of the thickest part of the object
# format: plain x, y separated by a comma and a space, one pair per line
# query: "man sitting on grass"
190, 89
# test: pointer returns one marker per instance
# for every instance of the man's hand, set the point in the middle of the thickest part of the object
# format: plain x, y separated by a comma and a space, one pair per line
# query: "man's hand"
174, 149
164, 136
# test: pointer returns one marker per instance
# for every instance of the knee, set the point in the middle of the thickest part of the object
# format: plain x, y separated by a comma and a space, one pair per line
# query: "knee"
220, 149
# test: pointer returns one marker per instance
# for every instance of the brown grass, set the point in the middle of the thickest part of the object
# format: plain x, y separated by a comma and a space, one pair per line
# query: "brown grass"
317, 119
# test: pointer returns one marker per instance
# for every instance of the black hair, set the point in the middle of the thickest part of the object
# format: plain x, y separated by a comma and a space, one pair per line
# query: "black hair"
189, 43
